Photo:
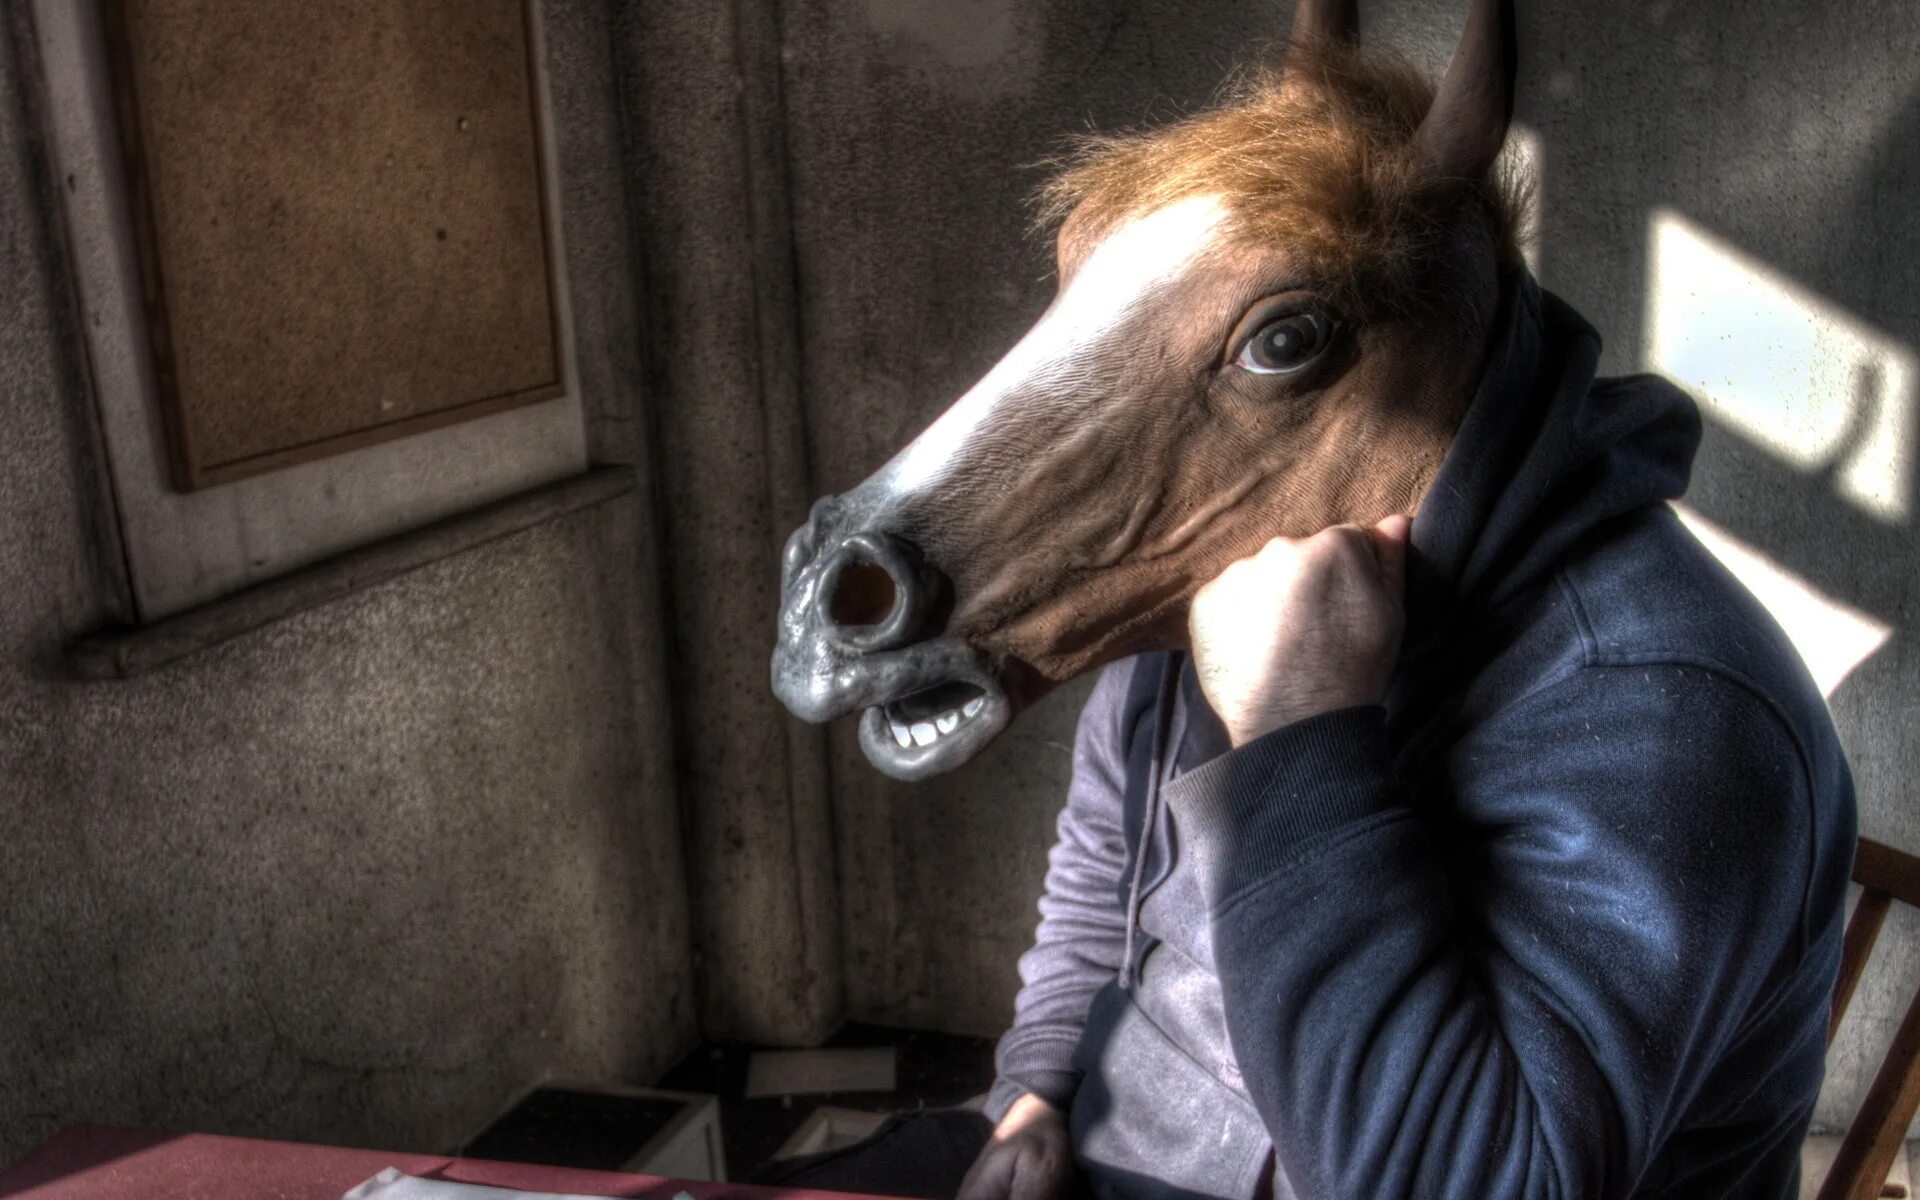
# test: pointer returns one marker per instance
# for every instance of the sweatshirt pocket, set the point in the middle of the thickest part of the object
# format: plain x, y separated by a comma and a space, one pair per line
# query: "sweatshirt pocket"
1149, 1122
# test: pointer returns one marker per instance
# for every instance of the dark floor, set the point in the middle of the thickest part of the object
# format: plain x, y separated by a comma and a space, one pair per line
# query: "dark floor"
588, 1127
933, 1070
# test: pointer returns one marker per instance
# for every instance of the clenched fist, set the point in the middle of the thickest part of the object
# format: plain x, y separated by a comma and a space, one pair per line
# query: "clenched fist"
1305, 626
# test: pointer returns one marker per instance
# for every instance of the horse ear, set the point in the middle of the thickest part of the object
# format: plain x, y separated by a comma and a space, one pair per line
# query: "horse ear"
1464, 130
1316, 21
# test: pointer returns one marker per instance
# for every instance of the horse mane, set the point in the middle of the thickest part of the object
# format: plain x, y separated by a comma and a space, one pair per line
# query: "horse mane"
1315, 153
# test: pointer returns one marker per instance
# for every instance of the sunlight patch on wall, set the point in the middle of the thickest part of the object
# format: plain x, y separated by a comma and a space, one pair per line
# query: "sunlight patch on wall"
1782, 366
1833, 638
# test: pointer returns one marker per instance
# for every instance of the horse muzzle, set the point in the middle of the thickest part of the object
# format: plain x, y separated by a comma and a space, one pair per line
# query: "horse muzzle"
862, 628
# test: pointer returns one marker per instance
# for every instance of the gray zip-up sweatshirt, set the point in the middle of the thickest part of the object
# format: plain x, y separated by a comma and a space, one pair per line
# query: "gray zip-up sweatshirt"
1560, 918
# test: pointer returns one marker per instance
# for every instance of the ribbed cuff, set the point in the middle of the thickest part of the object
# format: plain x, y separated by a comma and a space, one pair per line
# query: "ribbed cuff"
1247, 811
1055, 1087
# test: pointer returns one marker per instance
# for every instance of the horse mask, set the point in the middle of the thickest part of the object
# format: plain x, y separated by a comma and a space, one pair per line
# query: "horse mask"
1270, 319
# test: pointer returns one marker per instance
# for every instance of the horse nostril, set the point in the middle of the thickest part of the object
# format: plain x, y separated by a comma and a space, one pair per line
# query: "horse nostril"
863, 594
871, 595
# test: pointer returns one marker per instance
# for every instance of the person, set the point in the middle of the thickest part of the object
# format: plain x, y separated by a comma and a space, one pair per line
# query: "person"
1498, 853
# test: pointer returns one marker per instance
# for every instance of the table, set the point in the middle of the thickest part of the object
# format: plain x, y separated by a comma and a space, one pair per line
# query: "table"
103, 1162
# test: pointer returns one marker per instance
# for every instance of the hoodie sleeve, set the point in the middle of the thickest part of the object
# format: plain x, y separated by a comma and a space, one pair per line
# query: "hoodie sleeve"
1078, 947
1515, 997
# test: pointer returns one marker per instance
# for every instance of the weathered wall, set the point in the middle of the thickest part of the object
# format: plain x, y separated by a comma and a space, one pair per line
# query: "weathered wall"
1790, 130
361, 875
706, 161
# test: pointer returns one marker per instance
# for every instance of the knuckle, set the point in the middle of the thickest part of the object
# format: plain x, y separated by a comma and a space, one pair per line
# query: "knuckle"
1351, 546
1323, 551
1276, 549
1349, 537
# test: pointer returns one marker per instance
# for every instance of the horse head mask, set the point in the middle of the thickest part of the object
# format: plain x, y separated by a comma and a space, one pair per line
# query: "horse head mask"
1270, 319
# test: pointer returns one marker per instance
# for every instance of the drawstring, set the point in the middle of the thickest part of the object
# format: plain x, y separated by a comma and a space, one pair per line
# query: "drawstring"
1150, 818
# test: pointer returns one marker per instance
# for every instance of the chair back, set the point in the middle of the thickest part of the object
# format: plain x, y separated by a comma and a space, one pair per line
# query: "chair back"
1873, 1140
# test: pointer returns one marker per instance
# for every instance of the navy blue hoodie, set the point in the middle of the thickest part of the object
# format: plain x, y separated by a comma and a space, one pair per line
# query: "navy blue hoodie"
1560, 918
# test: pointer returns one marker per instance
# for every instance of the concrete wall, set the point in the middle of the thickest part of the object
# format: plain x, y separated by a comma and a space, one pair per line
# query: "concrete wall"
361, 875
706, 163
1789, 134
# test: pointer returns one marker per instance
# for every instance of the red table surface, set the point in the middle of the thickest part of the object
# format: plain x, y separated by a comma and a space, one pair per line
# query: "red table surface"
101, 1162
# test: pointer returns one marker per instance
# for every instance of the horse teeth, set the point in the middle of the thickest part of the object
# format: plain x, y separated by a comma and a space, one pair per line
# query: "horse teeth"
948, 722
924, 733
900, 733
974, 706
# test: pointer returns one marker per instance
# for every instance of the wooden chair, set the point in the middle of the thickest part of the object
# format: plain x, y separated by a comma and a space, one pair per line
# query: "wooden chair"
1867, 1153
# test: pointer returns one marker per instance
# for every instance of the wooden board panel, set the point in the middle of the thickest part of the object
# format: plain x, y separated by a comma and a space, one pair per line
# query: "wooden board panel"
342, 220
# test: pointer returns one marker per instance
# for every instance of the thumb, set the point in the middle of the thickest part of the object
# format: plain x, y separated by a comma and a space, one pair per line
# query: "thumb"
1390, 552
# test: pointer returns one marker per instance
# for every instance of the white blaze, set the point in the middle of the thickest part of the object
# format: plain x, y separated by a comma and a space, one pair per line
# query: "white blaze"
1127, 267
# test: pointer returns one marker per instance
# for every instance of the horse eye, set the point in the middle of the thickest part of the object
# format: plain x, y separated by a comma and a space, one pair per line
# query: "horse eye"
1287, 345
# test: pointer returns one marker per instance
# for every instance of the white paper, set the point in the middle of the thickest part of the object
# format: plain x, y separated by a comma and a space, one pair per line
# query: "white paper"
390, 1184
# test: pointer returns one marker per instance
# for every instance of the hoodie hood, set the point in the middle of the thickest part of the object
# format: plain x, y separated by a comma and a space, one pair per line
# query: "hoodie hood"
1545, 453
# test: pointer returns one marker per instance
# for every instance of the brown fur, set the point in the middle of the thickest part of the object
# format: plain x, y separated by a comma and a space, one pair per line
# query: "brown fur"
1319, 157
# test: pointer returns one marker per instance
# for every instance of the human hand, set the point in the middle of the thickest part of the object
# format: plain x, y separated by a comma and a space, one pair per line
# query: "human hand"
1029, 1157
1304, 627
